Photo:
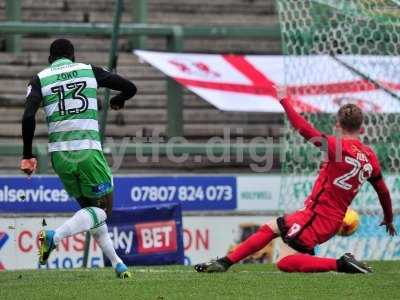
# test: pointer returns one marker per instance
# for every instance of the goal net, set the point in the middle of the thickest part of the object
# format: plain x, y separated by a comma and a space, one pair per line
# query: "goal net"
353, 48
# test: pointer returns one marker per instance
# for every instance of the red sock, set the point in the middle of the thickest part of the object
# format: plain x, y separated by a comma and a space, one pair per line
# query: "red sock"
306, 263
255, 242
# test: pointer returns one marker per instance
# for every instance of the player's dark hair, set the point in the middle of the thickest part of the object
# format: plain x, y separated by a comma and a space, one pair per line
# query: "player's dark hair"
61, 48
350, 117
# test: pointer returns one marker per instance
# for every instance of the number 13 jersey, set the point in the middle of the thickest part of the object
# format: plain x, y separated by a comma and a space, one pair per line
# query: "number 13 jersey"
69, 93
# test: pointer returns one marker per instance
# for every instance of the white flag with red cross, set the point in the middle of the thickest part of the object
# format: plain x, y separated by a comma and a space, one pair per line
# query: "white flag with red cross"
318, 83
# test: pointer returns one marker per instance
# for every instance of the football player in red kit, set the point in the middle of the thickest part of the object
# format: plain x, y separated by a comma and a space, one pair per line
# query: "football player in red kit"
348, 164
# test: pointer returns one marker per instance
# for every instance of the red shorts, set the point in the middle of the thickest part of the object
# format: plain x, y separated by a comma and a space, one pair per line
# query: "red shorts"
305, 229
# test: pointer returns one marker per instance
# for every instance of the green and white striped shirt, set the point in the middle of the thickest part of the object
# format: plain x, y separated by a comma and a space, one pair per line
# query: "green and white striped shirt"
69, 93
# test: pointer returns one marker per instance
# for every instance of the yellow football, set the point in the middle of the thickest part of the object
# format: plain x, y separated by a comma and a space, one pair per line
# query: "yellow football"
350, 223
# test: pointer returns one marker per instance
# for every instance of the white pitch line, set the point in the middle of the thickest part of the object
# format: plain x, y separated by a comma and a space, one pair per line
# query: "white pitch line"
160, 271
192, 271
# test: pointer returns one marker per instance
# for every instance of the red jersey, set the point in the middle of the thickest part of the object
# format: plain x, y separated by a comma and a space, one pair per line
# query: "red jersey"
348, 165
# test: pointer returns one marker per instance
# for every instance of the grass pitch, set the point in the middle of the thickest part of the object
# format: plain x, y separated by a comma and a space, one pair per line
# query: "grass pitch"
178, 282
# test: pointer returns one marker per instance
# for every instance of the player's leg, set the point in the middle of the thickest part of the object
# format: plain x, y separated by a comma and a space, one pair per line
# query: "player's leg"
96, 183
298, 238
103, 239
93, 190
83, 220
315, 230
291, 260
306, 263
257, 241
264, 235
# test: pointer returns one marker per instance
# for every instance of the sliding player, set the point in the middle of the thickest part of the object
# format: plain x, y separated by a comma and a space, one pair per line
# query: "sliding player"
349, 163
68, 93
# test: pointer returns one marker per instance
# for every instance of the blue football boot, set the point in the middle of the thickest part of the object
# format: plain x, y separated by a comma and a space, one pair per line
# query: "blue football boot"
122, 271
46, 245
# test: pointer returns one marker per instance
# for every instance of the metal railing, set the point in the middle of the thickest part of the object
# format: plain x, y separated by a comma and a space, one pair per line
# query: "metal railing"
161, 149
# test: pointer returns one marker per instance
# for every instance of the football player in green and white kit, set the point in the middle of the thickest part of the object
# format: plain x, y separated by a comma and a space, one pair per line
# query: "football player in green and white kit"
68, 93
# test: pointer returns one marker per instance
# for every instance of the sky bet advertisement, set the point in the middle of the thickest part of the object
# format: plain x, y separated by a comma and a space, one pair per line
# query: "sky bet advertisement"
46, 193
149, 235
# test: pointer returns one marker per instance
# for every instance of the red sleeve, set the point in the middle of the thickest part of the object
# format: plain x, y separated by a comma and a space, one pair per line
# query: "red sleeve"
376, 167
384, 198
381, 189
309, 132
